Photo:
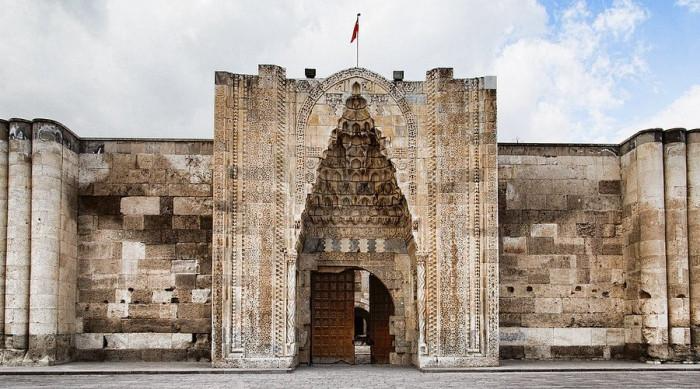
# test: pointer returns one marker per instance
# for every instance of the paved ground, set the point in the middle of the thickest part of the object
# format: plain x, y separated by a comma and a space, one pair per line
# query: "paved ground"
367, 377
506, 366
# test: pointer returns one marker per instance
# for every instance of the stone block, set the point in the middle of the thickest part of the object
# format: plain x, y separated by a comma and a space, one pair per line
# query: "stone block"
615, 336
133, 250
140, 205
194, 311
117, 310
89, 341
150, 341
548, 305
117, 341
201, 295
513, 245
571, 336
538, 352
679, 335
578, 352
186, 222
185, 266
187, 281
161, 296
512, 352
192, 206
609, 187
182, 341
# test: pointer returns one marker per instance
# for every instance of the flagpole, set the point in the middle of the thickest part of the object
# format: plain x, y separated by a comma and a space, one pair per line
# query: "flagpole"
357, 47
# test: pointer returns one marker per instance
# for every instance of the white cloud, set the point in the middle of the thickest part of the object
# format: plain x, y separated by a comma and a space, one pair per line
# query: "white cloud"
684, 112
562, 86
134, 68
692, 5
621, 19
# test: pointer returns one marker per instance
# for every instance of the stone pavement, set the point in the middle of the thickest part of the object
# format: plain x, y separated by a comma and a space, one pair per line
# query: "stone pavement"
511, 374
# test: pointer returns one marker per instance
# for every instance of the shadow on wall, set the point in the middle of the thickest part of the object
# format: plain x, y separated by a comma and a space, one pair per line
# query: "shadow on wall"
144, 250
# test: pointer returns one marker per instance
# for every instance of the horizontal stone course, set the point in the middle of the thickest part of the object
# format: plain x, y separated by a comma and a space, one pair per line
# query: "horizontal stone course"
561, 267
145, 249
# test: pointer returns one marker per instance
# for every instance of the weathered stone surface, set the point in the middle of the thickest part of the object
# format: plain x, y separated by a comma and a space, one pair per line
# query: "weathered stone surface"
143, 257
158, 241
561, 267
440, 125
139, 205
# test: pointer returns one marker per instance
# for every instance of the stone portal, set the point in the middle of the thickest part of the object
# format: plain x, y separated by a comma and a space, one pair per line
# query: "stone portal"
356, 217
425, 224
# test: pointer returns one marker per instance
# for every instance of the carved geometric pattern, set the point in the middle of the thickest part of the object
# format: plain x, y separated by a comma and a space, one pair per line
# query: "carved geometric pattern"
291, 305
420, 303
316, 91
280, 290
253, 226
432, 270
356, 195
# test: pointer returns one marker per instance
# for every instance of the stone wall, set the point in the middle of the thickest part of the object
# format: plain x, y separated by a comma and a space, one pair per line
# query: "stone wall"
561, 268
599, 248
106, 245
144, 235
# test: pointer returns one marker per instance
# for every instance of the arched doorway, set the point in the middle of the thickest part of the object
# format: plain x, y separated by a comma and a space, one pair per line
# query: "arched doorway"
342, 332
356, 221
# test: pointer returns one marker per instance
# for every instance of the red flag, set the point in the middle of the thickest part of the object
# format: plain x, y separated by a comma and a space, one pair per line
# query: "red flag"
356, 30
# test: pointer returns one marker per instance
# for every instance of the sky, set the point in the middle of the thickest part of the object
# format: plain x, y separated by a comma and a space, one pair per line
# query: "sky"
592, 71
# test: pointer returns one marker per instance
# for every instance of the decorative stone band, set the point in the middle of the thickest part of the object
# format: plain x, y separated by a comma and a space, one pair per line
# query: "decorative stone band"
134, 341
346, 245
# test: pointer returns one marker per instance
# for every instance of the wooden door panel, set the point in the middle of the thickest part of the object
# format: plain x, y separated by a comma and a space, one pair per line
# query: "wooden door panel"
332, 317
381, 307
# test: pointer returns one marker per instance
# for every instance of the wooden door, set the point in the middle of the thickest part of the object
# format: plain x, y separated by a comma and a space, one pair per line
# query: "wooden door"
332, 317
381, 307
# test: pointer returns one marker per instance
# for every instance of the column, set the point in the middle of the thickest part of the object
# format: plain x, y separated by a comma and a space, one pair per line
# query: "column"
653, 297
45, 234
19, 173
693, 162
4, 133
68, 261
675, 187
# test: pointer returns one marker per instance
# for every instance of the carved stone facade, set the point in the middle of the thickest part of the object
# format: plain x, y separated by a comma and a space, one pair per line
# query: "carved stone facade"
127, 249
408, 177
